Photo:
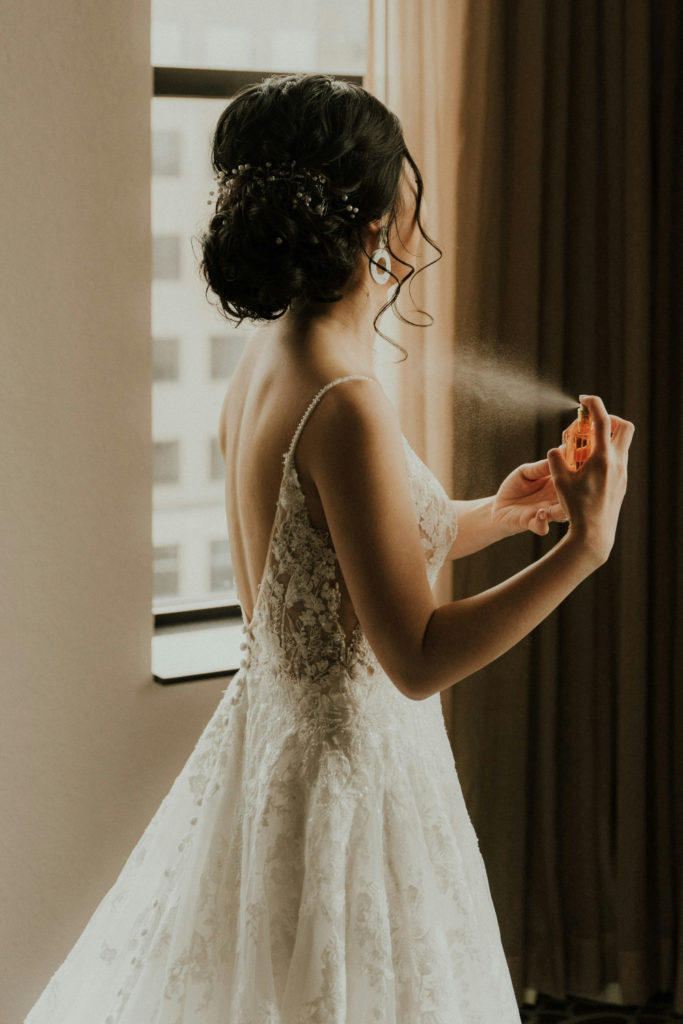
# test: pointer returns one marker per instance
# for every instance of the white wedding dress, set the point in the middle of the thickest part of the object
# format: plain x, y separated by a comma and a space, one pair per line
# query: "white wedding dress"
314, 861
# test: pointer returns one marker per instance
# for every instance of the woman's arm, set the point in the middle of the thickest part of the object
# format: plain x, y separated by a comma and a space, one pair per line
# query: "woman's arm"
526, 500
352, 450
476, 527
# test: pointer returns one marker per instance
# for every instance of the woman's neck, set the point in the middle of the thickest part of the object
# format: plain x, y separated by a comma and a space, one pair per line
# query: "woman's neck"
346, 326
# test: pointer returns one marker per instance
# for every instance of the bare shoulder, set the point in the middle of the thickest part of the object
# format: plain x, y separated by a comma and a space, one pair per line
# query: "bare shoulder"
353, 415
359, 399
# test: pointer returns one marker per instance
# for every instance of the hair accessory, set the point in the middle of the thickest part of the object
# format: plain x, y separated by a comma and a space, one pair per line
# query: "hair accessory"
313, 189
381, 255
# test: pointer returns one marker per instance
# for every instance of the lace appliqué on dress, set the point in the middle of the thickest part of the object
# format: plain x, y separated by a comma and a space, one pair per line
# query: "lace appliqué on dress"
314, 862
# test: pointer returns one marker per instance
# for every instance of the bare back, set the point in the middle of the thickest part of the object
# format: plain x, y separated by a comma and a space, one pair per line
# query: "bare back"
267, 395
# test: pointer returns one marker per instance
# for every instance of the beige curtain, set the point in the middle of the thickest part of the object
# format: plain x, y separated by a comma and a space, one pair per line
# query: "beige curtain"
427, 116
549, 137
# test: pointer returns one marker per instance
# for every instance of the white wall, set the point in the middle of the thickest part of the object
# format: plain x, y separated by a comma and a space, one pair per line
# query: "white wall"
90, 744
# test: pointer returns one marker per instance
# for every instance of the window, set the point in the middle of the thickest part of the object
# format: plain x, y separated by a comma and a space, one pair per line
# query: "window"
166, 572
216, 464
166, 257
166, 462
220, 566
202, 53
166, 359
166, 153
225, 353
300, 35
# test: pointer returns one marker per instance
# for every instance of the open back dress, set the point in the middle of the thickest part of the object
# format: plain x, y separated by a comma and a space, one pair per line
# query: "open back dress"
314, 861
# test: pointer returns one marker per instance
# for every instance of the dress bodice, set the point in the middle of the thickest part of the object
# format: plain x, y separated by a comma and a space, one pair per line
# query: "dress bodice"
309, 669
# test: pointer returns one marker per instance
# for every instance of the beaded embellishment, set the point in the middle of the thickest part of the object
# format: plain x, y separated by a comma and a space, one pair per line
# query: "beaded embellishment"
313, 188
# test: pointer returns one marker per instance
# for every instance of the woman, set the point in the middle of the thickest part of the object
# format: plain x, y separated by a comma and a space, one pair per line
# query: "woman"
314, 861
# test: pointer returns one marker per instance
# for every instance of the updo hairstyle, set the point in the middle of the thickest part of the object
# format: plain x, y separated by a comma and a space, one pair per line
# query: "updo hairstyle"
265, 248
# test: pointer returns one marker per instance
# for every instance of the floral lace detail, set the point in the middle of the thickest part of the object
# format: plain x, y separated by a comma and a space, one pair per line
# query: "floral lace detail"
314, 861
296, 622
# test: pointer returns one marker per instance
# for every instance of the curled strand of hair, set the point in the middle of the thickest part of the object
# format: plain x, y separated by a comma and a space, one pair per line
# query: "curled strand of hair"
413, 274
391, 303
420, 271
430, 241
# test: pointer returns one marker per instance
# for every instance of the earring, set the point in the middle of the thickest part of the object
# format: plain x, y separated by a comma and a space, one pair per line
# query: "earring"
381, 255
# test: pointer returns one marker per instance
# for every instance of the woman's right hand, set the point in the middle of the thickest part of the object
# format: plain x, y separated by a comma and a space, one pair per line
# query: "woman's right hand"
592, 497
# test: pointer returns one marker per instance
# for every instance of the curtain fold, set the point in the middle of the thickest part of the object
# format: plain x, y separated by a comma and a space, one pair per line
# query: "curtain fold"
549, 138
427, 116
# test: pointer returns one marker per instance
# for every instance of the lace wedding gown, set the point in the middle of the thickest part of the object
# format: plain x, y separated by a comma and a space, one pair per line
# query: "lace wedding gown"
314, 861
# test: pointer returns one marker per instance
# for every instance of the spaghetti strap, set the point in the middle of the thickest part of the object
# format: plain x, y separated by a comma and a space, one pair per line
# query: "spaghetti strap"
287, 466
314, 402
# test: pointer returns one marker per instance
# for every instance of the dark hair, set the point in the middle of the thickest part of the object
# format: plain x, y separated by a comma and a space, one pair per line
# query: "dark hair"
328, 126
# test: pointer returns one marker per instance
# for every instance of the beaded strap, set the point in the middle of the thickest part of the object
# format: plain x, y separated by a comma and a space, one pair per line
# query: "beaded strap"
314, 401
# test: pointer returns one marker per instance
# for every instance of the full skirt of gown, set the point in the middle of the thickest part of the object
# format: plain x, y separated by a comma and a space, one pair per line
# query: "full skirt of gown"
314, 861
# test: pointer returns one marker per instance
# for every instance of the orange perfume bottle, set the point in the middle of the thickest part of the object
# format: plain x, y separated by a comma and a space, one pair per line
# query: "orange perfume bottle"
578, 439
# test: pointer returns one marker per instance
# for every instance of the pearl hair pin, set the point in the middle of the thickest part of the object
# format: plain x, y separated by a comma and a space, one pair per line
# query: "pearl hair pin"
314, 189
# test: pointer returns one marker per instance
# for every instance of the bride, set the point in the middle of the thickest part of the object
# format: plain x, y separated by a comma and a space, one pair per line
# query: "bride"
314, 861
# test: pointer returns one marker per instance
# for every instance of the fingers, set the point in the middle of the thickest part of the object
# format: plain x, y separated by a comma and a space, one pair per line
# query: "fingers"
557, 514
608, 427
557, 464
622, 433
601, 421
543, 517
539, 522
536, 470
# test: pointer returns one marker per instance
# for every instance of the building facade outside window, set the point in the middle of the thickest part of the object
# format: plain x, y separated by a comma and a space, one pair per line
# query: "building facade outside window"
166, 359
166, 462
195, 349
166, 571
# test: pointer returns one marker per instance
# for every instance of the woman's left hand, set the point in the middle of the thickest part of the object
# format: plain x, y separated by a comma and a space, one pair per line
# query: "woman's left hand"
527, 500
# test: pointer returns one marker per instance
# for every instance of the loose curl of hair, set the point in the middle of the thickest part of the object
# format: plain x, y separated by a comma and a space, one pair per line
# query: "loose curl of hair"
327, 125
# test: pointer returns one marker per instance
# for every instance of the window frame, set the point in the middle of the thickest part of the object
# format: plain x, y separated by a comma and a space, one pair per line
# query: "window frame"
208, 83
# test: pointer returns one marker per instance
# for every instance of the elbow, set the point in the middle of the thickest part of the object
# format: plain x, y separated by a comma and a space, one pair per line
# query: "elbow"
412, 692
414, 670
422, 686
406, 683
429, 670
416, 680
414, 686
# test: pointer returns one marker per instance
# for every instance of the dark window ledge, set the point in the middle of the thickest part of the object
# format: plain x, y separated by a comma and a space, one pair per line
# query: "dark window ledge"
190, 651
211, 82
